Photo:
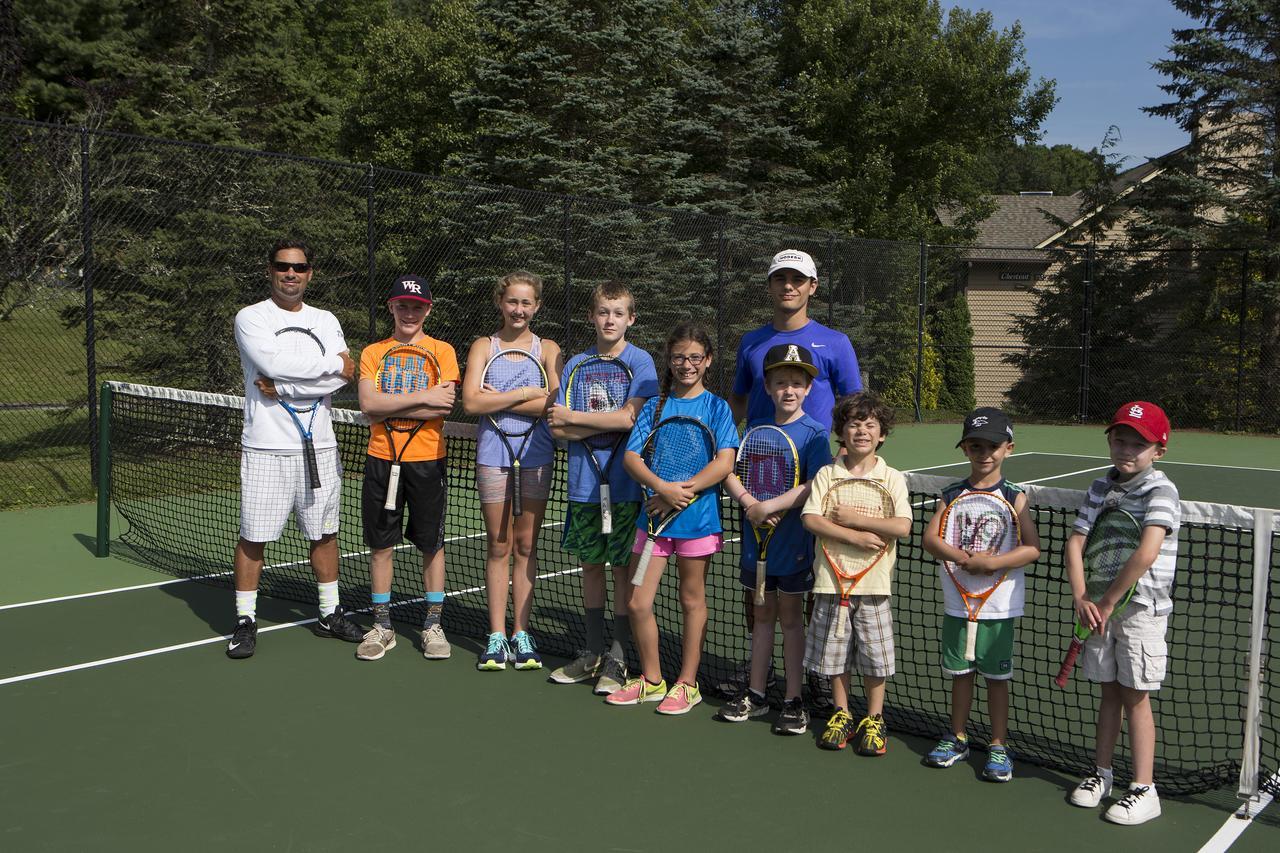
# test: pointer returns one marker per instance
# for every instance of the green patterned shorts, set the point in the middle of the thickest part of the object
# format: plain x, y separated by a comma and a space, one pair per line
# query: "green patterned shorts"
582, 537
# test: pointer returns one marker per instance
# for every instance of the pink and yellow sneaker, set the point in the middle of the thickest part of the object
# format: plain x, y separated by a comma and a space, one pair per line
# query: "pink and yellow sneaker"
637, 690
681, 699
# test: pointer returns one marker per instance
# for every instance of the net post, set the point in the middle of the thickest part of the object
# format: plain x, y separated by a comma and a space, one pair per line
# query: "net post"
1263, 527
103, 548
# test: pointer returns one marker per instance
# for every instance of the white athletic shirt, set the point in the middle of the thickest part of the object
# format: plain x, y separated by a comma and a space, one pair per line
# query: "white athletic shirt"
267, 426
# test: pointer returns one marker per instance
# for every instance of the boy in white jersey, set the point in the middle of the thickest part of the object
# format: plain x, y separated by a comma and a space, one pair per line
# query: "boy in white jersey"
274, 481
1127, 653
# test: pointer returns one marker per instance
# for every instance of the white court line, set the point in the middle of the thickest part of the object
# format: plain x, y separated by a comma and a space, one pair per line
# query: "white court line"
1068, 474
1240, 820
1162, 462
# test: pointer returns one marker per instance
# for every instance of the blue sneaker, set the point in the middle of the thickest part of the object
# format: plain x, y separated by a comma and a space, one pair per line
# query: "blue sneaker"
948, 751
495, 654
526, 653
999, 765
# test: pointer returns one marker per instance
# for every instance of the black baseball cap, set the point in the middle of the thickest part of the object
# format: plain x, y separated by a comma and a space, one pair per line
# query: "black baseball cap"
987, 423
411, 287
790, 355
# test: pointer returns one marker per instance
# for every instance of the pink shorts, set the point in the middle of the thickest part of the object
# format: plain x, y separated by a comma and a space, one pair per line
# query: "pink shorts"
664, 545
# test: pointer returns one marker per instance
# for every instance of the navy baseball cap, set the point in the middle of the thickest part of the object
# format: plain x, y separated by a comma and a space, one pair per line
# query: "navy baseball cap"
411, 287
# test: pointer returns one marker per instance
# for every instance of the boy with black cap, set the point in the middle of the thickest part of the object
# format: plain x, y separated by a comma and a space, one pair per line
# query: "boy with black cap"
987, 440
422, 471
788, 375
1127, 654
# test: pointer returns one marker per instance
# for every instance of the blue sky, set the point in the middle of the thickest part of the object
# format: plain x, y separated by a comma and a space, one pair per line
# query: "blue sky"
1100, 53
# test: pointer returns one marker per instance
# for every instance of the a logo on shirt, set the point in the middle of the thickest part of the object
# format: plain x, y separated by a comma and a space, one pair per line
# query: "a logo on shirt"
1135, 411
817, 346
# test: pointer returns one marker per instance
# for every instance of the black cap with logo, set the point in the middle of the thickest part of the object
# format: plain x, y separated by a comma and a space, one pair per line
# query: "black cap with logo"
790, 355
987, 423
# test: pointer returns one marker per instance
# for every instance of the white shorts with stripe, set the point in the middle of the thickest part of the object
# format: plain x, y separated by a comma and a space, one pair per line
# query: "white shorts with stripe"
272, 485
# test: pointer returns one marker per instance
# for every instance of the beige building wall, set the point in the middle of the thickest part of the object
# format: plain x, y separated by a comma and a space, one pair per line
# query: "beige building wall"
993, 307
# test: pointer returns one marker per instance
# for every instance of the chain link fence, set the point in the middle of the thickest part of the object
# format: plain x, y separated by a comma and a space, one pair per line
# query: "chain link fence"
126, 258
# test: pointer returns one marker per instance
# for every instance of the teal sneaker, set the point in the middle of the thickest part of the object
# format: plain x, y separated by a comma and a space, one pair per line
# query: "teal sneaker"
948, 751
495, 655
526, 653
999, 766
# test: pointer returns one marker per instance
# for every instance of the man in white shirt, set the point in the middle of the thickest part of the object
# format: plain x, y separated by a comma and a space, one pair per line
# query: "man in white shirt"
274, 480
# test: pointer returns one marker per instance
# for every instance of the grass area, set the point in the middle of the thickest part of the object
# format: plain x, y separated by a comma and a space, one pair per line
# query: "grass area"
44, 458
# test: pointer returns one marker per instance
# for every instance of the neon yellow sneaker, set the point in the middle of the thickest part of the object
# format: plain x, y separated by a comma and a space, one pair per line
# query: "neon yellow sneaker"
681, 699
839, 730
872, 741
637, 690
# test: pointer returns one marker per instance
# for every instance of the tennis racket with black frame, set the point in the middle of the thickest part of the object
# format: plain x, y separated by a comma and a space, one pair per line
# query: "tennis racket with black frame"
508, 370
404, 369
599, 384
298, 341
980, 523
675, 451
1114, 537
768, 467
852, 563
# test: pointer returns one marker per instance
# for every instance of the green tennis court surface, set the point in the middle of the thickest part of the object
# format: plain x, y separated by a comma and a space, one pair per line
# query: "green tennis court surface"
305, 748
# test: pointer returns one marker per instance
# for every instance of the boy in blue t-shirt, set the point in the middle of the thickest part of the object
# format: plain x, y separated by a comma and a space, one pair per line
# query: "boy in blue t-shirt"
612, 313
789, 372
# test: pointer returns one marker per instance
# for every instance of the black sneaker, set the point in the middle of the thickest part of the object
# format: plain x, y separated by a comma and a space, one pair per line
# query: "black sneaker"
337, 624
794, 719
743, 708
244, 639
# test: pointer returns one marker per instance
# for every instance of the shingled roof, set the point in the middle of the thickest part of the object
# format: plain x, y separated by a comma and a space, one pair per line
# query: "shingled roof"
1020, 221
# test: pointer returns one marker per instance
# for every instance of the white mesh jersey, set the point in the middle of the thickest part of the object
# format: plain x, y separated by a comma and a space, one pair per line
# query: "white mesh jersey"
267, 426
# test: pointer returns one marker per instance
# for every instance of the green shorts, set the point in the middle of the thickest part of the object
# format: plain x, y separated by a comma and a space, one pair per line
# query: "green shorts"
994, 647
582, 537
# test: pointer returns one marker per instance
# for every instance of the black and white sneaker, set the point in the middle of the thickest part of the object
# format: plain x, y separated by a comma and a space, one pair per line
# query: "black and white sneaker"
338, 624
743, 708
794, 719
244, 639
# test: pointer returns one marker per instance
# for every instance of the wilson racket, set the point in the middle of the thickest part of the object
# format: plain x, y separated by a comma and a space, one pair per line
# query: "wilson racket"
600, 383
851, 563
768, 467
300, 341
980, 523
1112, 540
508, 370
404, 369
677, 449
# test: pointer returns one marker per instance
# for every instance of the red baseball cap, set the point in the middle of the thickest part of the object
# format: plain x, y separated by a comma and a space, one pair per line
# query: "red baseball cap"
1147, 418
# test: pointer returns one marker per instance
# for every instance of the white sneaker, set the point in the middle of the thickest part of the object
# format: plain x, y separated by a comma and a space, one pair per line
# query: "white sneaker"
434, 644
1139, 805
376, 643
1089, 793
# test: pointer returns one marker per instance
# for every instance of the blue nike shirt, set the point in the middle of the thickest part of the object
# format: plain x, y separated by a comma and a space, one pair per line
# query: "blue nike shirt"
832, 353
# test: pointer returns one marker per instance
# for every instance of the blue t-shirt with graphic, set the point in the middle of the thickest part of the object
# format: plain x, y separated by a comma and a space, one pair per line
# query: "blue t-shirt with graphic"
702, 517
832, 353
584, 487
790, 549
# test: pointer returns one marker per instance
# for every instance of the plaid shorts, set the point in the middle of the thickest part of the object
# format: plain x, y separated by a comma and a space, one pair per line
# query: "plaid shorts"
857, 638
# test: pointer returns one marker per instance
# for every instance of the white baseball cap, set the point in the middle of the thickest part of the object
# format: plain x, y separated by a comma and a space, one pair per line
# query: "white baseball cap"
794, 259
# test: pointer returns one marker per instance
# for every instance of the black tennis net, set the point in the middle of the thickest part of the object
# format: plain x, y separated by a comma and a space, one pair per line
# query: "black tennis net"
174, 481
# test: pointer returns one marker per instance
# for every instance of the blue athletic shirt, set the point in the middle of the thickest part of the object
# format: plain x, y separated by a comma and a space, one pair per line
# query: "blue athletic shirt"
791, 546
832, 353
583, 486
702, 517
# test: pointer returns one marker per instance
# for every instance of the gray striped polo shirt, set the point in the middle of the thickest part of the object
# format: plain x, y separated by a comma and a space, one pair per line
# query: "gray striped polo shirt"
1152, 499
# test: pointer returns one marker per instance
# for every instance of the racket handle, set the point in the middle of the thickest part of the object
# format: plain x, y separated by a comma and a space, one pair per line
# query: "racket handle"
516, 509
1069, 662
760, 576
971, 641
606, 512
642, 567
393, 487
313, 467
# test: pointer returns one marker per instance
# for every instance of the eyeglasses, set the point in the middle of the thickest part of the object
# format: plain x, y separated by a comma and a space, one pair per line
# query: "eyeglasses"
695, 360
285, 266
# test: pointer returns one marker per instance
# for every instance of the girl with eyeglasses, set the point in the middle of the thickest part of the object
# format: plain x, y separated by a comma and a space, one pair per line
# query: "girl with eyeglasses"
695, 533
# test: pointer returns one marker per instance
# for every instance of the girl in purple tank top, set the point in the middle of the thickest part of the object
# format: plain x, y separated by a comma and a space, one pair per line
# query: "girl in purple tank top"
511, 558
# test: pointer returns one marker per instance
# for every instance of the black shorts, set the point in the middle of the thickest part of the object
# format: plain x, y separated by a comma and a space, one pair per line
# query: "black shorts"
422, 487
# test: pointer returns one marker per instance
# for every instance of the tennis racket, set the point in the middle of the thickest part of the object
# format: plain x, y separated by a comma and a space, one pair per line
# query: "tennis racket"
600, 383
300, 341
404, 369
980, 523
508, 370
851, 563
676, 450
768, 467
1112, 540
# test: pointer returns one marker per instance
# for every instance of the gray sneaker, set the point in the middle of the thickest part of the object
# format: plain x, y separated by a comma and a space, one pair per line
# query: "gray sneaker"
584, 666
434, 645
613, 673
377, 641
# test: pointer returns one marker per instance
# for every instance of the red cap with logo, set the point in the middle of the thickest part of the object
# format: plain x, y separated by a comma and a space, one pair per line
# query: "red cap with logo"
1147, 418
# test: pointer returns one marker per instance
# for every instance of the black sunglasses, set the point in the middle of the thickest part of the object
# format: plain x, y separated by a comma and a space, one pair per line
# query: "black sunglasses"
285, 266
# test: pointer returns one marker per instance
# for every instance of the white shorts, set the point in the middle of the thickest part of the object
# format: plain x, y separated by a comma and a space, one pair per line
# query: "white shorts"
272, 485
1133, 652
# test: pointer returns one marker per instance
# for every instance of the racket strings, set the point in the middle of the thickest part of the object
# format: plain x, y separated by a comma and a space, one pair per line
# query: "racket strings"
507, 373
766, 468
679, 450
